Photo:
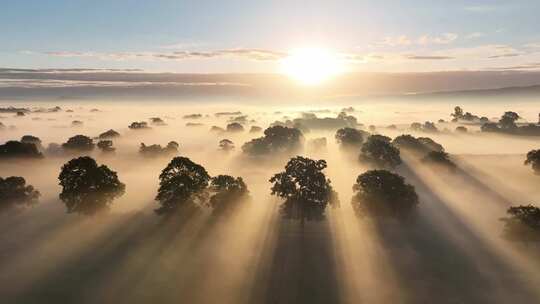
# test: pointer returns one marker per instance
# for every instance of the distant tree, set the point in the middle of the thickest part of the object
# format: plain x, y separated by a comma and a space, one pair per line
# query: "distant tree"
235, 127
226, 145
182, 183
461, 129
192, 116
413, 144
157, 121
429, 127
255, 129
522, 224
416, 126
490, 127
79, 143
305, 188
533, 159
15, 193
29, 139
139, 125
458, 113
508, 120
227, 193
109, 134
2, 126
157, 150
439, 158
88, 188
392, 127
378, 151
17, 149
276, 139
20, 113
217, 129
76, 123
383, 193
351, 138
106, 146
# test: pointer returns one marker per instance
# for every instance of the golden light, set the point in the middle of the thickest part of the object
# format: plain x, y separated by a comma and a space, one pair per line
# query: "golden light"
312, 66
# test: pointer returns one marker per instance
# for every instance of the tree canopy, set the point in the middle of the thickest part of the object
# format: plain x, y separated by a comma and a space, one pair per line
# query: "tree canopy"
17, 149
522, 224
276, 139
379, 152
88, 188
227, 193
305, 189
181, 184
439, 158
79, 143
383, 193
14, 192
533, 159
158, 150
350, 137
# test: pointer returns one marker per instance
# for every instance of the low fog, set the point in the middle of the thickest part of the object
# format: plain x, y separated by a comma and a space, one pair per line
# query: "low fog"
451, 250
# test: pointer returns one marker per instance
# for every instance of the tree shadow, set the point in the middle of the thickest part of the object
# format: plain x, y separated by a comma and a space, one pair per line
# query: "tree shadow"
300, 268
438, 258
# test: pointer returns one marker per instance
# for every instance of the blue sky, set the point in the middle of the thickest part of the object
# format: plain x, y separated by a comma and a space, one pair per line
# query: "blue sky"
251, 36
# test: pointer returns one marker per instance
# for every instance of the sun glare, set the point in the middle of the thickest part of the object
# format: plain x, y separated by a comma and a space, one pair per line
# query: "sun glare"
311, 66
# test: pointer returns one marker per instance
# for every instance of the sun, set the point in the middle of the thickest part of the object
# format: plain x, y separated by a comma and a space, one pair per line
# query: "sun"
311, 66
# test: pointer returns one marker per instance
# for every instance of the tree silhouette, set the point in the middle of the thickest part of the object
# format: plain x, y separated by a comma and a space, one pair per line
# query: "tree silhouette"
181, 184
522, 224
383, 193
29, 139
508, 120
533, 159
14, 192
157, 150
17, 149
277, 139
411, 143
351, 138
109, 134
227, 193
439, 158
106, 146
79, 143
379, 152
226, 145
305, 188
139, 125
88, 188
235, 127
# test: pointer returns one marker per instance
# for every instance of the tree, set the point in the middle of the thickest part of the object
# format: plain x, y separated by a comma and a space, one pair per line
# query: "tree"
157, 150
157, 121
226, 145
508, 120
351, 138
439, 158
379, 152
458, 113
276, 139
522, 224
533, 159
235, 127
79, 143
88, 188
255, 129
420, 145
305, 188
15, 193
17, 149
181, 184
461, 129
490, 127
139, 125
227, 193
106, 146
29, 139
109, 134
383, 193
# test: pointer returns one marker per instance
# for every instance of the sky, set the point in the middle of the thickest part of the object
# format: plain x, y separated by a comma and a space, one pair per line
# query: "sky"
253, 36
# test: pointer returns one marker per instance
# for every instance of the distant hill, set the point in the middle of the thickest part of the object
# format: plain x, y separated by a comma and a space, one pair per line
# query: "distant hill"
521, 92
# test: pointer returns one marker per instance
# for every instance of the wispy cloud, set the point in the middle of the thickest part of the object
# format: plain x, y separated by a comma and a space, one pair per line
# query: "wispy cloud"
404, 40
247, 53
